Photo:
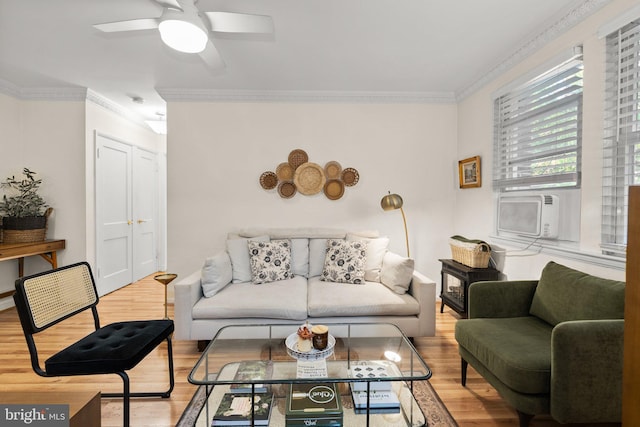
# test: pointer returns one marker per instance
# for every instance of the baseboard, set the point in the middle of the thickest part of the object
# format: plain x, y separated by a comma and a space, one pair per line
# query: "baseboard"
6, 303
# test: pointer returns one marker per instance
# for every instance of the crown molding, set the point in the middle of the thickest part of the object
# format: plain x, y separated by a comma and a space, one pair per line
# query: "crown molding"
369, 97
9, 88
116, 108
69, 94
108, 104
54, 94
43, 93
576, 15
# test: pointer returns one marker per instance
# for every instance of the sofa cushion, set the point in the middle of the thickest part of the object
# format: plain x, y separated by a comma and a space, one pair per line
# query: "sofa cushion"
331, 299
284, 299
566, 294
524, 360
238, 250
317, 253
396, 272
300, 257
376, 248
216, 274
270, 261
344, 261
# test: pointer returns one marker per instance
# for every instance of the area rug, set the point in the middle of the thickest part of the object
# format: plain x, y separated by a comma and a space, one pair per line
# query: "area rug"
436, 414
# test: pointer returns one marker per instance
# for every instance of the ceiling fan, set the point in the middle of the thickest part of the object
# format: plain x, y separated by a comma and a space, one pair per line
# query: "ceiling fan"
184, 28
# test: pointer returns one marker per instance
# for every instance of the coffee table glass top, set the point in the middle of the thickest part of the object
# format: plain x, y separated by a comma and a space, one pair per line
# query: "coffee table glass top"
354, 344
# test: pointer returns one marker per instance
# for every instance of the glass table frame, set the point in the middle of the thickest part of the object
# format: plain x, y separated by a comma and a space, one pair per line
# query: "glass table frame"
356, 343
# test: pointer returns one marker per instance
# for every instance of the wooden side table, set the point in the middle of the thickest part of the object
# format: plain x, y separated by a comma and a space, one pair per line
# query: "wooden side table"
47, 249
456, 279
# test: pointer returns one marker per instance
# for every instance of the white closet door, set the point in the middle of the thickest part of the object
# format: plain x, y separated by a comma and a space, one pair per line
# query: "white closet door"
126, 214
114, 224
145, 208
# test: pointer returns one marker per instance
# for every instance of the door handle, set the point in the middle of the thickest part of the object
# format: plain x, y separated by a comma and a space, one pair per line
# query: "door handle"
129, 222
140, 221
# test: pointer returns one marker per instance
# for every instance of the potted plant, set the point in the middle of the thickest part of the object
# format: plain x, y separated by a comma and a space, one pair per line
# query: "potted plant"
24, 212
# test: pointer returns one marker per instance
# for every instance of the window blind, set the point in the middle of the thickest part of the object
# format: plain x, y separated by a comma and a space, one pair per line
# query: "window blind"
621, 148
538, 132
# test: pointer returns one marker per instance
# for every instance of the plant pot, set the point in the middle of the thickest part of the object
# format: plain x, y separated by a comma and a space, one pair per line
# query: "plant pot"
24, 230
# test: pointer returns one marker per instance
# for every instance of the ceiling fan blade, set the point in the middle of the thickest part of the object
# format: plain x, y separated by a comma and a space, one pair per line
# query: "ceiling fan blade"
130, 25
211, 57
228, 22
171, 4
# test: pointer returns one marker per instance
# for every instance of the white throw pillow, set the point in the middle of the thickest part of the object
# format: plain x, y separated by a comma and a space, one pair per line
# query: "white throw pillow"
270, 261
344, 261
376, 248
216, 274
238, 250
397, 272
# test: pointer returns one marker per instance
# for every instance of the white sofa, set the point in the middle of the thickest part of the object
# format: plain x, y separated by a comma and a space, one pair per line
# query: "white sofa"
380, 298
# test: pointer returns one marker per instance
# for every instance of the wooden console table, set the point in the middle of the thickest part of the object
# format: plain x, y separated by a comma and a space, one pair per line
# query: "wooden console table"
46, 249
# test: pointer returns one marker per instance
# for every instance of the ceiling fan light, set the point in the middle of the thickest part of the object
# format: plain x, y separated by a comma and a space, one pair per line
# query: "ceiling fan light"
183, 36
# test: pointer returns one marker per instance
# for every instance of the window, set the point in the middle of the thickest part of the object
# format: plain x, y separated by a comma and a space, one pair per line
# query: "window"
538, 132
621, 155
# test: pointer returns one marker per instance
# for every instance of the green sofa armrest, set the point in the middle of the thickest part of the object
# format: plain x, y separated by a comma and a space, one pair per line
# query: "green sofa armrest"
501, 299
586, 371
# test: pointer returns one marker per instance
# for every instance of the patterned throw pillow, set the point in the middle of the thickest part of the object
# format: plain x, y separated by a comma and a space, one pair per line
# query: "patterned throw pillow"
344, 261
270, 261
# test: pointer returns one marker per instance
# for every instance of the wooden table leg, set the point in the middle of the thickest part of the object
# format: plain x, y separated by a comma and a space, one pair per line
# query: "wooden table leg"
54, 260
51, 258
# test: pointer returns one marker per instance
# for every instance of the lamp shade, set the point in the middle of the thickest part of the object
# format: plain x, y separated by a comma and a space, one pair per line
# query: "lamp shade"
391, 202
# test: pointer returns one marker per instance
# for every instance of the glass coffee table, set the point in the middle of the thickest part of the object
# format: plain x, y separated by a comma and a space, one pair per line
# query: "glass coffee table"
354, 350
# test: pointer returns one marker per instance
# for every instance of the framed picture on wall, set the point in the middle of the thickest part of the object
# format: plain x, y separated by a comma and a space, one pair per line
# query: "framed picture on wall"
469, 172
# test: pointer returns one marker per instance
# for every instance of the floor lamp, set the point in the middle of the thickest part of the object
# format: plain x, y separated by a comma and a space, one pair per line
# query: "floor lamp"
392, 202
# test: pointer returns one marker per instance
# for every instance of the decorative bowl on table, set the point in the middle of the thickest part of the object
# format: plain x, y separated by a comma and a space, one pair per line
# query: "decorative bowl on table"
291, 342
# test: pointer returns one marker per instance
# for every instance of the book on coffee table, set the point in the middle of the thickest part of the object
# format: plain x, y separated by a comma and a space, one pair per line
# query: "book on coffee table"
313, 404
252, 370
384, 399
375, 371
235, 409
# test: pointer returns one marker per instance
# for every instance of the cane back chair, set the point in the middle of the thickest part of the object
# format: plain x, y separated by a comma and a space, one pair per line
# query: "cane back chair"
48, 298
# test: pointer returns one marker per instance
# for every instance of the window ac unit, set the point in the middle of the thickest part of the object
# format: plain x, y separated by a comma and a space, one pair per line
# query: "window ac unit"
529, 216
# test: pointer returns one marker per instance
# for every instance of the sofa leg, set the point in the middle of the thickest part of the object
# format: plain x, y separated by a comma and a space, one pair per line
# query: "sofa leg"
202, 344
463, 371
524, 418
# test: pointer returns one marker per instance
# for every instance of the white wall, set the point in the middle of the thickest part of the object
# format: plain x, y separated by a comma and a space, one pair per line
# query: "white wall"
11, 149
217, 151
47, 137
475, 136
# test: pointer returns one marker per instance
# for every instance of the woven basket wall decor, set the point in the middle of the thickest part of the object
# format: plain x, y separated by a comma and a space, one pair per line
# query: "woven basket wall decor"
299, 175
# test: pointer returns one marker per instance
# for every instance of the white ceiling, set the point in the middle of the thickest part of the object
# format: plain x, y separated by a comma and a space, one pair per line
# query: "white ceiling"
437, 48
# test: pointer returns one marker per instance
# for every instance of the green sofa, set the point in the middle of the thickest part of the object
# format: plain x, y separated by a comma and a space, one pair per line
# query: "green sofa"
549, 346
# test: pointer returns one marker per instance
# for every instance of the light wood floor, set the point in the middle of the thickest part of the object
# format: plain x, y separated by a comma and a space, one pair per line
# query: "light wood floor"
476, 405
